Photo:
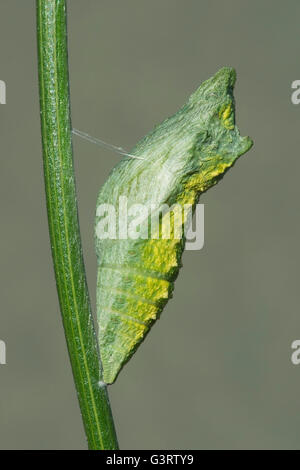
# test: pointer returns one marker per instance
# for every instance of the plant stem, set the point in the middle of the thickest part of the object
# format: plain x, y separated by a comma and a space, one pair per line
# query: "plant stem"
64, 225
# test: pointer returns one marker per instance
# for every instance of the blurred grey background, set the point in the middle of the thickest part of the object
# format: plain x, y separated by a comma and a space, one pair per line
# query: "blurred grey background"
215, 372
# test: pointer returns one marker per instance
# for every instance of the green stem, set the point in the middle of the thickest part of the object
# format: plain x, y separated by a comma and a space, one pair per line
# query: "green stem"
64, 226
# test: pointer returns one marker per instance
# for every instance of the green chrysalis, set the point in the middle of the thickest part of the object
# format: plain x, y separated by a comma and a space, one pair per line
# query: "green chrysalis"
180, 159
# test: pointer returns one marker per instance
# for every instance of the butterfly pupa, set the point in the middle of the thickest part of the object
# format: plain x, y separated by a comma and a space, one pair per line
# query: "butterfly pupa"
181, 158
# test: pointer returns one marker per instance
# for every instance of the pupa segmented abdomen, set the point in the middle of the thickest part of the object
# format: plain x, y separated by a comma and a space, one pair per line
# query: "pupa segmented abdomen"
130, 298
